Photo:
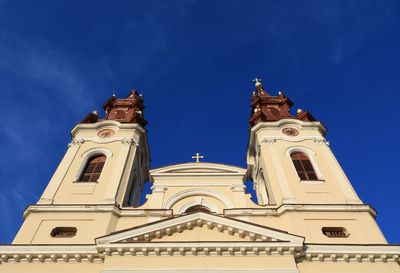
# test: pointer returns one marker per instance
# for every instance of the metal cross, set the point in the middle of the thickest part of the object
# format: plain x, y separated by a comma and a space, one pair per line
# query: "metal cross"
257, 80
197, 157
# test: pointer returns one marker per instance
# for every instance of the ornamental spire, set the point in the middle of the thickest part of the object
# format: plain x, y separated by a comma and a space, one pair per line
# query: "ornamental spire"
259, 88
124, 110
267, 108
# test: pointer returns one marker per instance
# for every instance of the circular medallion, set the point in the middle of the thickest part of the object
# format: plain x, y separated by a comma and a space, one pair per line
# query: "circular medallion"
290, 131
105, 133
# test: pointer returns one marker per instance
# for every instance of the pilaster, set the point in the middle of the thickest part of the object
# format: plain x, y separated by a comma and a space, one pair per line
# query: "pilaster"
116, 176
58, 177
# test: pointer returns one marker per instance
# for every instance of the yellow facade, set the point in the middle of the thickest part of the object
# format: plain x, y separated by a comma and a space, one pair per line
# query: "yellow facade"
199, 217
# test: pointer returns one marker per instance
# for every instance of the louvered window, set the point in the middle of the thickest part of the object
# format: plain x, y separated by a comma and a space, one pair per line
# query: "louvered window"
93, 169
63, 232
303, 166
335, 232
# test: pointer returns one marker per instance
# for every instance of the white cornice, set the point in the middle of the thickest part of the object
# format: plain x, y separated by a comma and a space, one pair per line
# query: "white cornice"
122, 212
50, 253
302, 253
283, 122
273, 138
128, 212
198, 168
348, 253
105, 123
300, 207
201, 248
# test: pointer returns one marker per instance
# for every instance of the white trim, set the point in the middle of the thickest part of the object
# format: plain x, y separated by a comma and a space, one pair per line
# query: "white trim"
303, 208
212, 207
106, 124
211, 270
352, 253
284, 122
293, 149
215, 169
197, 192
50, 253
88, 154
98, 253
126, 212
310, 154
114, 138
98, 150
171, 225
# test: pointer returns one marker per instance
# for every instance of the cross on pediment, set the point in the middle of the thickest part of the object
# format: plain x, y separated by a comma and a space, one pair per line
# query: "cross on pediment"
197, 157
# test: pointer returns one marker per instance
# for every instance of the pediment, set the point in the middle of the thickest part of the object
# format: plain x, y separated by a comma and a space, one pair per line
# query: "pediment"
198, 168
199, 227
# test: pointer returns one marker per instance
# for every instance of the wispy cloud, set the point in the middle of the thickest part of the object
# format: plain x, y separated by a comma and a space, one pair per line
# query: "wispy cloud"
40, 84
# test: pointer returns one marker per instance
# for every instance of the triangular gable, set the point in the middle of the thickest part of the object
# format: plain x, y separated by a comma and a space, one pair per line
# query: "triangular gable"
196, 222
198, 168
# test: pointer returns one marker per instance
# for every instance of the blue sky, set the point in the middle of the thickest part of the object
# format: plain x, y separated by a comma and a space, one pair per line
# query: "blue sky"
194, 61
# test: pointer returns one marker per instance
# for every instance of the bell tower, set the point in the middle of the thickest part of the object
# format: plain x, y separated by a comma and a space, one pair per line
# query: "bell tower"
107, 160
289, 159
103, 171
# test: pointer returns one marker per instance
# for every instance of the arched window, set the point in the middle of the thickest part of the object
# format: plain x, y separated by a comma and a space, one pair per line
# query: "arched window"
93, 168
197, 208
304, 168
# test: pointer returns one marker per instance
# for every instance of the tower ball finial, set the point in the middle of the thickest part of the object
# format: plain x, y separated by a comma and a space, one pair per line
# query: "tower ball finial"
257, 82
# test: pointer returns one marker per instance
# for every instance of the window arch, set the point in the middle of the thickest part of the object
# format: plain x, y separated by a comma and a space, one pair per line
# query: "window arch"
93, 168
303, 166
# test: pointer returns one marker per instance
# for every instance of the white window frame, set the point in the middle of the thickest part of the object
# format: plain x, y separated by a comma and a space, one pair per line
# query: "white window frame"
85, 158
311, 155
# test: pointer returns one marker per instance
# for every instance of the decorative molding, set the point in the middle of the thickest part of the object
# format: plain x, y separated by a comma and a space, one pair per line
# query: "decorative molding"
198, 169
302, 253
107, 124
276, 211
98, 150
201, 249
258, 149
169, 226
321, 141
50, 253
212, 207
210, 270
269, 141
287, 122
197, 192
122, 212
76, 142
158, 188
273, 210
350, 253
129, 141
238, 188
302, 149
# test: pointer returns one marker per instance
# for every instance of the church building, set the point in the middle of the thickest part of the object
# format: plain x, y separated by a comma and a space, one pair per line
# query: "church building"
198, 216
